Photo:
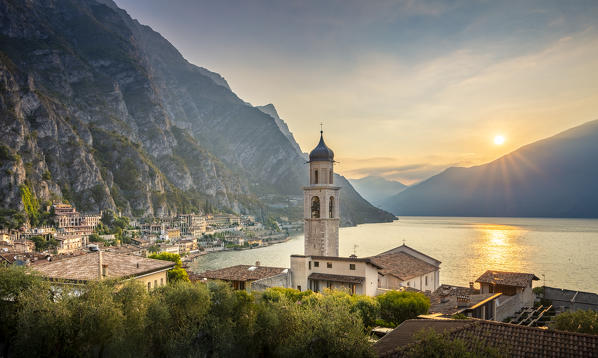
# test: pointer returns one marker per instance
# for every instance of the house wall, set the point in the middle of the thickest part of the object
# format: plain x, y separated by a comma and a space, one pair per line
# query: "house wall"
156, 279
299, 273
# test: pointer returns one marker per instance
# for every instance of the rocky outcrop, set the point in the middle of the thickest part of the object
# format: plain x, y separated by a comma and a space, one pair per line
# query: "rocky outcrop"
103, 111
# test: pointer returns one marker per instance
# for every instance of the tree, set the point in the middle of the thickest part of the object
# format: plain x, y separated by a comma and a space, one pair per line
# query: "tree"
178, 273
41, 244
15, 284
398, 306
578, 321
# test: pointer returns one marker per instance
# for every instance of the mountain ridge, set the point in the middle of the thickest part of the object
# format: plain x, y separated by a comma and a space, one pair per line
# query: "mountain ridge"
104, 112
552, 177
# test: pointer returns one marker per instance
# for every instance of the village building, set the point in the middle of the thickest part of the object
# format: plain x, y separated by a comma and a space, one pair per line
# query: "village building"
516, 289
69, 243
249, 277
512, 340
570, 300
106, 265
448, 301
321, 267
187, 245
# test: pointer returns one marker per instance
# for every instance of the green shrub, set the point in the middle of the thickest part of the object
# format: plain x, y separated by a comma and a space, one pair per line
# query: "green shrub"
578, 321
398, 306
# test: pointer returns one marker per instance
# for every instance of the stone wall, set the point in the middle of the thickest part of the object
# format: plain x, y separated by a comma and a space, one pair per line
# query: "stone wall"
280, 280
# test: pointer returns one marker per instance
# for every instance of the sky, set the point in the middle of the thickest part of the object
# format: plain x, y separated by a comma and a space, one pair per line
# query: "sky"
406, 88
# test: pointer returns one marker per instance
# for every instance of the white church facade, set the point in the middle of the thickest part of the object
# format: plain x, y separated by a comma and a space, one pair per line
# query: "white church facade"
320, 266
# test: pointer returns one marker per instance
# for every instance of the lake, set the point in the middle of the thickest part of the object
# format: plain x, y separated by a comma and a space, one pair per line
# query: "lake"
565, 251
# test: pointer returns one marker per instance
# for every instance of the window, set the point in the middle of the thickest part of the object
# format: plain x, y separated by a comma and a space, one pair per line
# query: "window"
426, 280
351, 266
310, 265
299, 288
242, 285
315, 207
155, 283
329, 264
331, 207
331, 176
149, 285
161, 281
316, 176
316, 263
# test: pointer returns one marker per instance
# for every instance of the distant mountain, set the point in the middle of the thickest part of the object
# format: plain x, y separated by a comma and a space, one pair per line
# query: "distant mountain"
103, 111
554, 177
376, 189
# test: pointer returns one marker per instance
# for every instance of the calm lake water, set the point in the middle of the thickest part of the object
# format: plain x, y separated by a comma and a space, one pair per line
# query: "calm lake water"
564, 250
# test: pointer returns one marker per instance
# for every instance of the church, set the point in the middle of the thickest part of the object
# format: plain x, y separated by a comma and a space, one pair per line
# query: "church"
321, 267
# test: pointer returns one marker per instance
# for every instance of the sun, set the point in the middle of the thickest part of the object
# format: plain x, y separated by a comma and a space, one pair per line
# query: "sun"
498, 140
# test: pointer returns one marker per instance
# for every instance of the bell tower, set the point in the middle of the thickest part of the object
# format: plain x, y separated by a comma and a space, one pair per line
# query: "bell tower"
321, 203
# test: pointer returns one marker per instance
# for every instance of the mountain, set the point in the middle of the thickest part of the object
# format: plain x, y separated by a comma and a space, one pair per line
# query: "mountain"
104, 112
376, 189
554, 177
270, 110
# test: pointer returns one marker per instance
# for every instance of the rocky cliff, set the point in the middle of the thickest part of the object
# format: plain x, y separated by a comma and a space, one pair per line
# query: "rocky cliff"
103, 111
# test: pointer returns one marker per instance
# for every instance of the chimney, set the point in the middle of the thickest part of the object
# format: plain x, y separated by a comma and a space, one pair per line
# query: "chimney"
257, 263
104, 270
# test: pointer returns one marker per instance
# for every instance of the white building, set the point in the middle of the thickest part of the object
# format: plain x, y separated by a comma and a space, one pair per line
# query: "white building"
320, 267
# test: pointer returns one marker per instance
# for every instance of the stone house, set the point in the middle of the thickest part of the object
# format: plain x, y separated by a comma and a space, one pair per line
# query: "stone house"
516, 289
248, 277
105, 265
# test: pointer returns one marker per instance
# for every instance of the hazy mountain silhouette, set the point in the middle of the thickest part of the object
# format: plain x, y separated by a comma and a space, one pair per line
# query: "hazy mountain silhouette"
554, 177
376, 189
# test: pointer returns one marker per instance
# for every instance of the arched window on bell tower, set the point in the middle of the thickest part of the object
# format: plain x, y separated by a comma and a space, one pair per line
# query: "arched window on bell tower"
316, 177
331, 176
315, 207
331, 207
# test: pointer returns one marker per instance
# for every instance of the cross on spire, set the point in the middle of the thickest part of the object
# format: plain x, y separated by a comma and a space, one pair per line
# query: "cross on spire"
321, 127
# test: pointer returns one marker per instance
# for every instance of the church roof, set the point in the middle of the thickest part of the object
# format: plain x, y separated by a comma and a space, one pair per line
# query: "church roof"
402, 265
321, 153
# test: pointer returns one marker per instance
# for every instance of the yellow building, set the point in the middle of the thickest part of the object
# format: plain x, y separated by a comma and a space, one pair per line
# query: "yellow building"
106, 265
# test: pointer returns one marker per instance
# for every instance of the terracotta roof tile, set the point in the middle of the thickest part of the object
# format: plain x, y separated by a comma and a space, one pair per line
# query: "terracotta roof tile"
517, 279
517, 341
87, 267
402, 265
242, 273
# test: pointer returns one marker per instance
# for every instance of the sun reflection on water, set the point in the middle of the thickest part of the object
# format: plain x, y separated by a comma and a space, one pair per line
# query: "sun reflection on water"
500, 247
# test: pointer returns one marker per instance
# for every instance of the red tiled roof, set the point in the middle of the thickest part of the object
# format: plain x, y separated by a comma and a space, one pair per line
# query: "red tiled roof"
242, 273
87, 267
402, 265
518, 279
515, 340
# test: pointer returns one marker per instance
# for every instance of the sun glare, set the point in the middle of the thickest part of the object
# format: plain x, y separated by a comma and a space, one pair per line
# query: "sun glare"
498, 140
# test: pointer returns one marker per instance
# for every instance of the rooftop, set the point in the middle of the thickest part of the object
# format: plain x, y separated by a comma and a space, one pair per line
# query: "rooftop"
336, 278
242, 273
402, 265
518, 341
444, 299
87, 267
517, 279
